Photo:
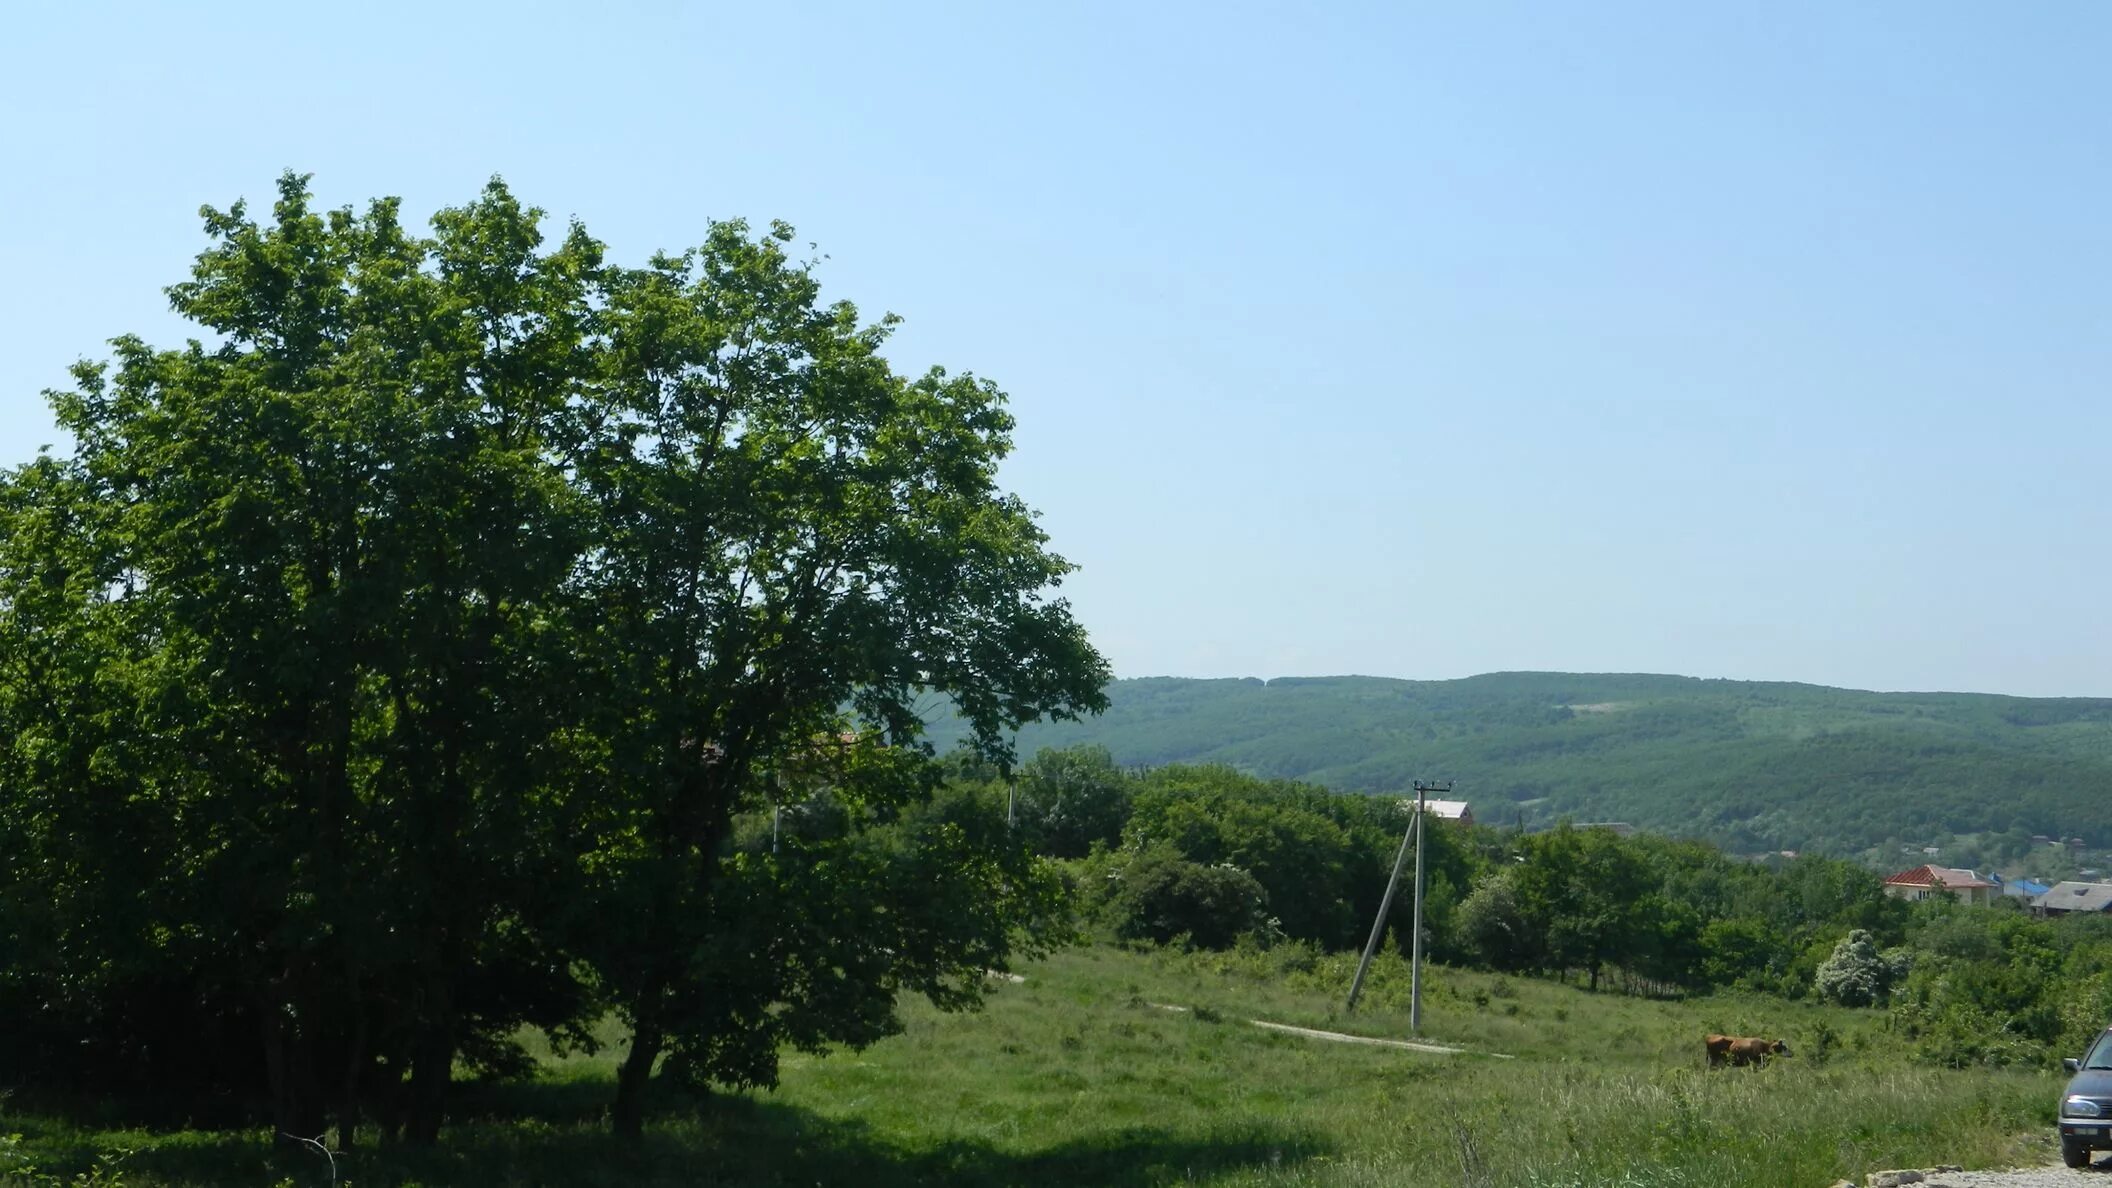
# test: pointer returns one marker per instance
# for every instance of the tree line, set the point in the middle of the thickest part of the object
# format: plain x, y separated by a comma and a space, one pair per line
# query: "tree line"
1204, 855
1211, 857
417, 655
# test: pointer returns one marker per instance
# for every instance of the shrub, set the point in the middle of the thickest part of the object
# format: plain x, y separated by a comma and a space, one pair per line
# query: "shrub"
1857, 975
1071, 799
1157, 896
1492, 925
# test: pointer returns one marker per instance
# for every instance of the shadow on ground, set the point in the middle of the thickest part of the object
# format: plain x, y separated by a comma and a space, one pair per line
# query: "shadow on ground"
555, 1135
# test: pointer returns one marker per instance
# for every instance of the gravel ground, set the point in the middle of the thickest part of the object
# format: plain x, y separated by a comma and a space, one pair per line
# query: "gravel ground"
2099, 1175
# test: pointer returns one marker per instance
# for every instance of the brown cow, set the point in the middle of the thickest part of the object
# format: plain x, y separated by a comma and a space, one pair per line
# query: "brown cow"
1719, 1048
1741, 1050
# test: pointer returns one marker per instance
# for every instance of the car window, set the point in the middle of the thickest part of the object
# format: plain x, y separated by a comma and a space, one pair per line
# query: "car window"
2101, 1053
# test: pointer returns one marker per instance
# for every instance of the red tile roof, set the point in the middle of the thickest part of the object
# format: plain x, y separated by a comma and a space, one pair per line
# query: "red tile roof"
1946, 877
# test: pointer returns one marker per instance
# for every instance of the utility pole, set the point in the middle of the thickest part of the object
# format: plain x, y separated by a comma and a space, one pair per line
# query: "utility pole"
1415, 958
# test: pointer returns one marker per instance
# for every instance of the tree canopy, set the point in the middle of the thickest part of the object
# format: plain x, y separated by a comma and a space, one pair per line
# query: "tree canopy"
395, 665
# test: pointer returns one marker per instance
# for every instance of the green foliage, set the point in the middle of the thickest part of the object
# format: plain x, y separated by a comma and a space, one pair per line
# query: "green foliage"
1661, 916
404, 668
1156, 895
818, 937
787, 528
1590, 897
1322, 858
18, 1169
1493, 924
1993, 987
315, 570
1742, 951
1299, 857
1857, 975
1071, 800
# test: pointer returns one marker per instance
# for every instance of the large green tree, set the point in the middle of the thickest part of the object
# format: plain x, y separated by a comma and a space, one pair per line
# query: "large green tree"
794, 541
330, 546
391, 668
1590, 897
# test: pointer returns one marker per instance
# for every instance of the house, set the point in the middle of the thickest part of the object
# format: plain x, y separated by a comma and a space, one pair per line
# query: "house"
1925, 881
1449, 810
2024, 889
2074, 897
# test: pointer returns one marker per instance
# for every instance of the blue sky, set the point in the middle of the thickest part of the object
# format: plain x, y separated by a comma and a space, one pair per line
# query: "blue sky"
1760, 341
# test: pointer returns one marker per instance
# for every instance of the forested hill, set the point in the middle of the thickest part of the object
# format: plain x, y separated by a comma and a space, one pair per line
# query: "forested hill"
1751, 765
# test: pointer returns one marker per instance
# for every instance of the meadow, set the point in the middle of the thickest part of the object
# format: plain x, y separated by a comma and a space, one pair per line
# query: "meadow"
1080, 1075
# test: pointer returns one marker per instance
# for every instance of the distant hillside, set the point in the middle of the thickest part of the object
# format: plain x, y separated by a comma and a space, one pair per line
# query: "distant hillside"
1751, 765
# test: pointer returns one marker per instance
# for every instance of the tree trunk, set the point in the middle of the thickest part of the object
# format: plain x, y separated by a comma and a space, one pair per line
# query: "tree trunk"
628, 1117
433, 1051
431, 1068
290, 1064
387, 1096
348, 1088
275, 1071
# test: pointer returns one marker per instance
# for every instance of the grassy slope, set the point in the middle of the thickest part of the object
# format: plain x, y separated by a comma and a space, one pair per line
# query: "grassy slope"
1074, 1078
1754, 765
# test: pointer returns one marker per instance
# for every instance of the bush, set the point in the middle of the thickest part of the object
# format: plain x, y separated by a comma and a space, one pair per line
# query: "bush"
1493, 927
1744, 952
1857, 975
1158, 896
1072, 798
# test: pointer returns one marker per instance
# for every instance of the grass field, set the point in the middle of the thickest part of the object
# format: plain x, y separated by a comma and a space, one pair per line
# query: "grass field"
1078, 1076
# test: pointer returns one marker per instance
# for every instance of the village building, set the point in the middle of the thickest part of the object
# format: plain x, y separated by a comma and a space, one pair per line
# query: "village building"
1926, 881
1450, 810
2074, 897
1446, 810
2022, 888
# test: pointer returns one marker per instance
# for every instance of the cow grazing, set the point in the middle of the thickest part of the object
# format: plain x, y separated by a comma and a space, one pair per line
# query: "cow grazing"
1719, 1048
1741, 1050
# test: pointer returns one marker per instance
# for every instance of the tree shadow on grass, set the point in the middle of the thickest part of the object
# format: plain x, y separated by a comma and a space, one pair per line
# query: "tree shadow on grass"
733, 1141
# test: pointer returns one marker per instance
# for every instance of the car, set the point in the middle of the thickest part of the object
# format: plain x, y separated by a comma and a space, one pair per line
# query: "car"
2086, 1104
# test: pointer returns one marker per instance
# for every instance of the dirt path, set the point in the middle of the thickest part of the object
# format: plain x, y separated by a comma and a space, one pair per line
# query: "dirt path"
1410, 1045
1344, 1038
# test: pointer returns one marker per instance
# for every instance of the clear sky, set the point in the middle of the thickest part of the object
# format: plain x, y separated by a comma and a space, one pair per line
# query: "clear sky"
1757, 340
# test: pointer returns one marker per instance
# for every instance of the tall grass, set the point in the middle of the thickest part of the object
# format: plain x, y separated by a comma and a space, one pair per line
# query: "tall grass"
1076, 1077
